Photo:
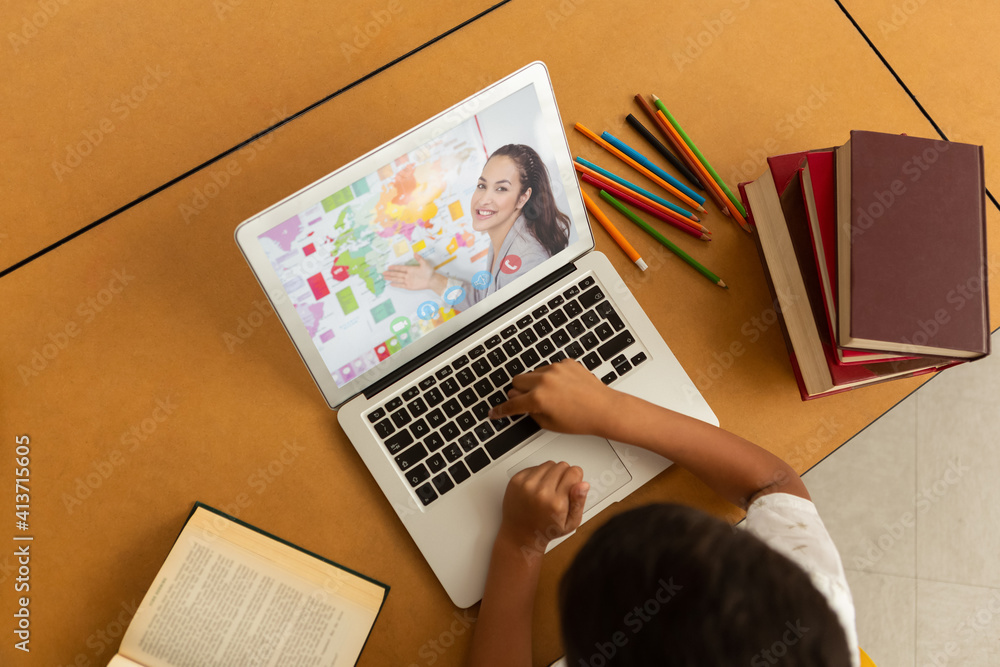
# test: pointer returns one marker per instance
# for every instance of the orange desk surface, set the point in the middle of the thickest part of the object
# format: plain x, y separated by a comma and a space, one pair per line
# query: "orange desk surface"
242, 427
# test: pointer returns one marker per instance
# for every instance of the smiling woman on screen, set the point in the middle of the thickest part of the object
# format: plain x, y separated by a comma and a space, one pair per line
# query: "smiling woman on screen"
514, 204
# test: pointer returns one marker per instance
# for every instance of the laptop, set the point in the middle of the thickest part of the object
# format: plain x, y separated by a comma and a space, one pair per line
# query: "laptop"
417, 280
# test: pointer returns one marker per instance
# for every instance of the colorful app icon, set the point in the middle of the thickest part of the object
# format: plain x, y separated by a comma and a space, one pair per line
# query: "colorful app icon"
339, 272
427, 310
510, 264
481, 280
399, 325
454, 295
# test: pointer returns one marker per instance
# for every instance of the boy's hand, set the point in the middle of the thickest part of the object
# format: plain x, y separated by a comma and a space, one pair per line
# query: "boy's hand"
541, 504
563, 397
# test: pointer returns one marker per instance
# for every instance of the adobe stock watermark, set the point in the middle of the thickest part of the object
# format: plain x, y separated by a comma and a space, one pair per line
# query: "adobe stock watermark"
222, 174
773, 654
59, 340
875, 550
974, 624
432, 650
32, 24
364, 34
899, 16
711, 29
120, 109
103, 638
563, 11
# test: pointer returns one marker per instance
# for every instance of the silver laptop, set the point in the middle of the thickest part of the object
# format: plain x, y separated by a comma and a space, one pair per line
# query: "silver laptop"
417, 280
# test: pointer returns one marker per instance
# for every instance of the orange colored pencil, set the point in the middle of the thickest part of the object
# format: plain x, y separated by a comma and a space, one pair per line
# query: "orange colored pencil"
629, 199
720, 196
582, 129
695, 223
622, 242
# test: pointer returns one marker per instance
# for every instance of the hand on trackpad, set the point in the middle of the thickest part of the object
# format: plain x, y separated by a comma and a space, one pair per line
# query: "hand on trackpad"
601, 466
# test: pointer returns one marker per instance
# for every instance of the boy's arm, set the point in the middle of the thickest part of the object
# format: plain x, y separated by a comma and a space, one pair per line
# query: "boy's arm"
541, 503
566, 397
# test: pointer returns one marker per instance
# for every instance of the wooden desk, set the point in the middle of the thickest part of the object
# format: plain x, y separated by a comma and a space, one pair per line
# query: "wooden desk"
137, 406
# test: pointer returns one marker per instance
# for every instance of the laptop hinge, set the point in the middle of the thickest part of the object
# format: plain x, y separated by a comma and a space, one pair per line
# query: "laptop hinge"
469, 330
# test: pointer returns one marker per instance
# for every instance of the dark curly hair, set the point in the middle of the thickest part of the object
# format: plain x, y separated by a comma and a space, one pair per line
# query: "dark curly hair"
547, 223
671, 585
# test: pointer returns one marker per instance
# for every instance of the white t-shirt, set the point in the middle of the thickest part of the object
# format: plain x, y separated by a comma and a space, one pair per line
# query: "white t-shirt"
791, 526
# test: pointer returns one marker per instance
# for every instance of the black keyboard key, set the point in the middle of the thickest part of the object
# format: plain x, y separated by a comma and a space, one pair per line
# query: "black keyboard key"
558, 318
427, 382
493, 341
410, 456
477, 460
574, 350
527, 337
443, 483
465, 420
501, 423
512, 347
615, 321
465, 377
435, 463
401, 417
433, 397
556, 302
615, 345
605, 308
452, 452
468, 442
468, 397
511, 437
461, 361
589, 340
393, 404
545, 347
624, 368
419, 428
449, 386
417, 407
591, 361
591, 296
604, 331
591, 319
524, 321
617, 360
509, 331
609, 378
483, 387
496, 357
575, 328
481, 367
384, 428
573, 308
514, 367
530, 358
452, 408
639, 358
571, 292
477, 352
542, 328
496, 398
443, 373
417, 474
427, 494
459, 472
481, 410
499, 377
538, 312
450, 431
586, 282
433, 442
397, 443
376, 415
411, 393
557, 357
560, 337
484, 432
435, 418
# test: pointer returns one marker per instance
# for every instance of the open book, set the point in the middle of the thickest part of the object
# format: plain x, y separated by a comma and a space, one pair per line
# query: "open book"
231, 595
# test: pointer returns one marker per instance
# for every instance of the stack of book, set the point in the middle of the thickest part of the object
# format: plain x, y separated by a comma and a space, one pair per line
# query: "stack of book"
875, 254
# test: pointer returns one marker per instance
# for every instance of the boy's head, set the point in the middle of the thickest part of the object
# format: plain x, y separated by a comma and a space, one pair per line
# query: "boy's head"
671, 585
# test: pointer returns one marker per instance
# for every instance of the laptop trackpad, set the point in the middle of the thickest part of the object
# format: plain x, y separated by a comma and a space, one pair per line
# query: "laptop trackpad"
601, 465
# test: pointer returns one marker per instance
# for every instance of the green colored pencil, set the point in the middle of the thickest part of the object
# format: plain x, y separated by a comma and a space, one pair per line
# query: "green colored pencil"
694, 149
662, 239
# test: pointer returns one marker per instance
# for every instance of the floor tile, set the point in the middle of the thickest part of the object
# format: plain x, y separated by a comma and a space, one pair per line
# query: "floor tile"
886, 613
957, 625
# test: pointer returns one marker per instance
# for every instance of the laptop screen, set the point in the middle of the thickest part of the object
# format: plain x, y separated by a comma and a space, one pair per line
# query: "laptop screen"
413, 243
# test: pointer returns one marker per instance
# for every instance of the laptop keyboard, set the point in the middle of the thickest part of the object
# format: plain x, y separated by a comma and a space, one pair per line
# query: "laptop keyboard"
437, 430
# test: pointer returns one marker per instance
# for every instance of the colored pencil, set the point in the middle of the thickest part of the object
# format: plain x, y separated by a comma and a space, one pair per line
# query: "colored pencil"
694, 149
721, 200
685, 155
450, 259
582, 129
662, 239
664, 151
586, 167
613, 231
627, 198
652, 166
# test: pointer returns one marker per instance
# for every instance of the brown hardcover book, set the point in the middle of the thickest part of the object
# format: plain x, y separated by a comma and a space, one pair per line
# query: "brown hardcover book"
911, 246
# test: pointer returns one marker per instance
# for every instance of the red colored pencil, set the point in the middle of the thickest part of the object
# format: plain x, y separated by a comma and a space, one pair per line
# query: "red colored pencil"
625, 196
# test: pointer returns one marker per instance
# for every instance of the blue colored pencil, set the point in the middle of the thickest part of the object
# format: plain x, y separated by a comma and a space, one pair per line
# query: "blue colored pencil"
635, 188
649, 164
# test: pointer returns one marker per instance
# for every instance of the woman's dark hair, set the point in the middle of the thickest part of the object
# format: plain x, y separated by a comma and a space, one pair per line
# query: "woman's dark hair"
671, 585
547, 223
